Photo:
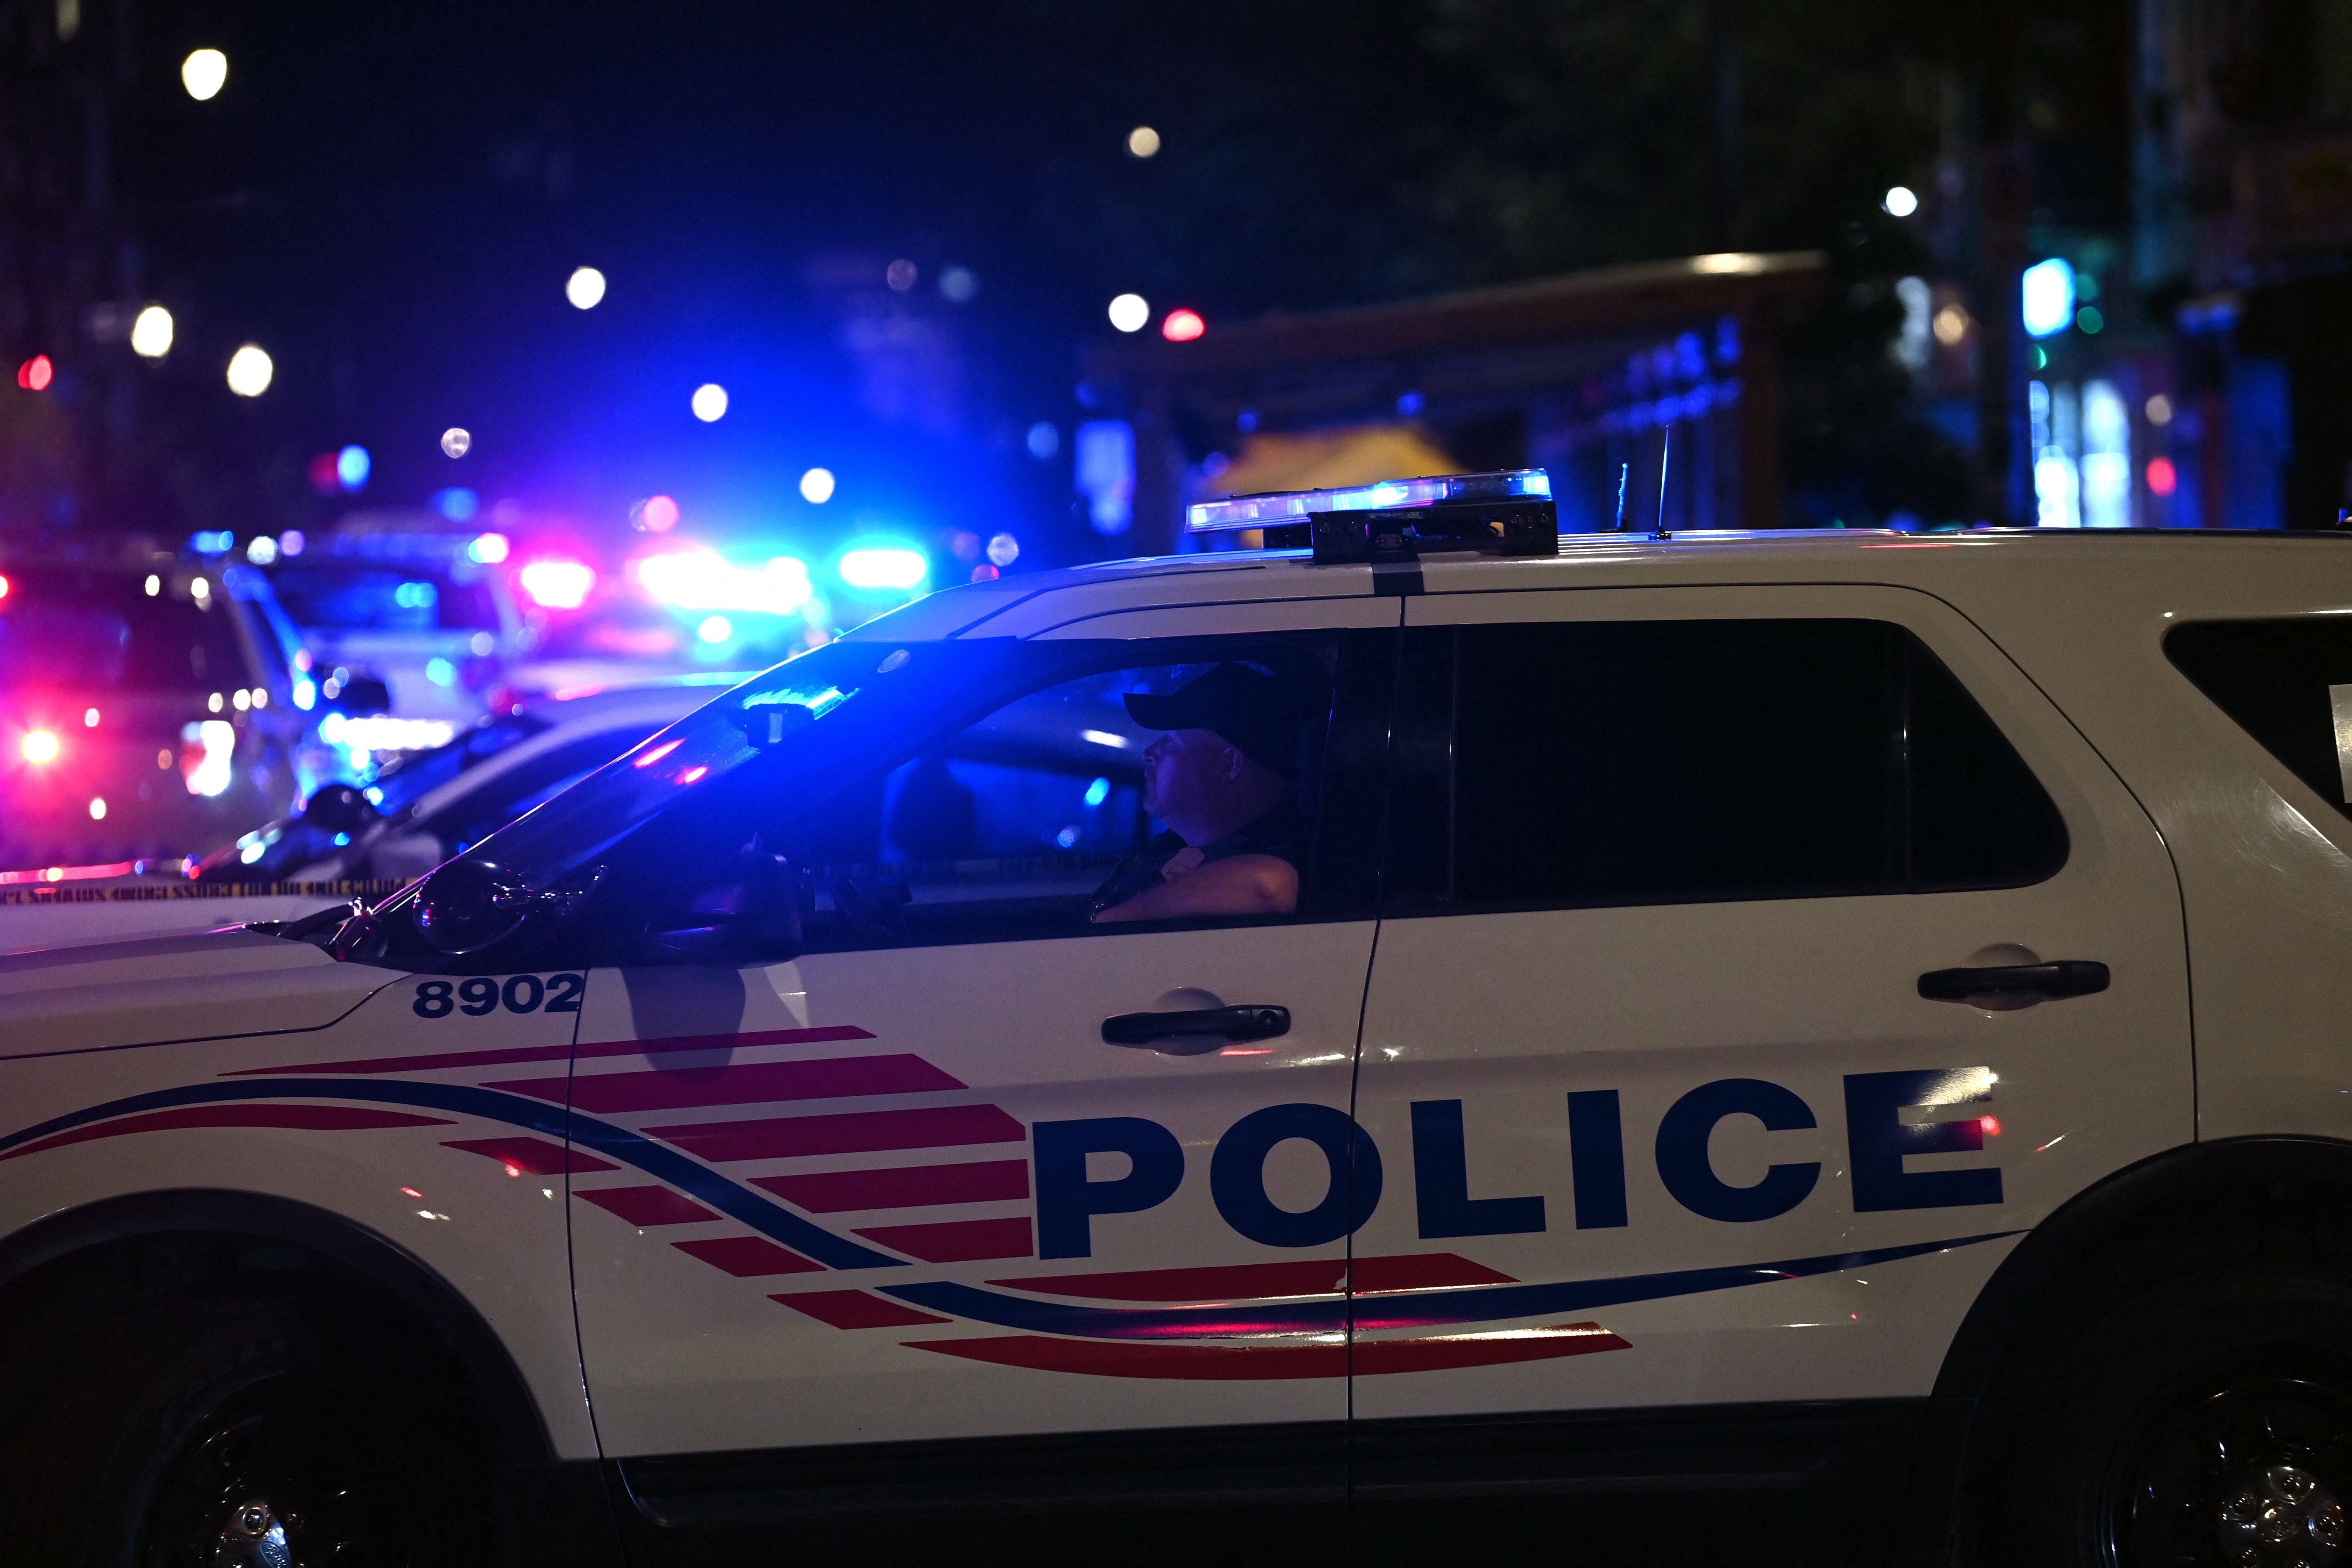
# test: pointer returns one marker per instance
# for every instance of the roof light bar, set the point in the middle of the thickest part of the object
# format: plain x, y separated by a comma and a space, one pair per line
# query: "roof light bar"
1389, 495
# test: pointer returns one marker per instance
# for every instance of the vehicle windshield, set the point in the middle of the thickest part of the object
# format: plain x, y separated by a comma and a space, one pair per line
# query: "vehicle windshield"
385, 598
828, 709
89, 630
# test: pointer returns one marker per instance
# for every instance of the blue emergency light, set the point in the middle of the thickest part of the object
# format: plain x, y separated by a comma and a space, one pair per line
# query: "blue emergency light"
1505, 513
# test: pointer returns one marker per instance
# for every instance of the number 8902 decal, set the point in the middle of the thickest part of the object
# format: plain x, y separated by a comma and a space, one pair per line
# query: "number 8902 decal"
482, 995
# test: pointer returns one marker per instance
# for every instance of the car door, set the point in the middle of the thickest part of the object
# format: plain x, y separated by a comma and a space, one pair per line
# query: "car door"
1651, 1044
900, 1187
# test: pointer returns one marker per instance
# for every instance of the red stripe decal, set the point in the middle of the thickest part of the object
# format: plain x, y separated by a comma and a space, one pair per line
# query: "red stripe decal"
855, 1310
851, 1132
959, 1240
904, 1187
747, 1257
647, 1205
1100, 1358
829, 1078
302, 1118
1229, 1282
536, 1155
1422, 1271
1262, 1281
657, 1047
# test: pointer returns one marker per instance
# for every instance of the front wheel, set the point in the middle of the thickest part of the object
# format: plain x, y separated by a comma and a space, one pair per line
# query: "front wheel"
236, 1434
2205, 1424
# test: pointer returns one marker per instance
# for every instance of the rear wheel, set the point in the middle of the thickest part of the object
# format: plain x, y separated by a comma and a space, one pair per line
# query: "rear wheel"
235, 1434
2205, 1424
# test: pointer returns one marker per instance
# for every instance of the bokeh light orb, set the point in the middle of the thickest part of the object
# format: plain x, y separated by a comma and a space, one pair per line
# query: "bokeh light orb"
204, 73
151, 332
708, 402
816, 486
585, 288
250, 371
1129, 312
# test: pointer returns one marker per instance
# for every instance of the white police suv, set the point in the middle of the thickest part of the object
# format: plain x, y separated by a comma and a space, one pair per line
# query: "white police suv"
1848, 1027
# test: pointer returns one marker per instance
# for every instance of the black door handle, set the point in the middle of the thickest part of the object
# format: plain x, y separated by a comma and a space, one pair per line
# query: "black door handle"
1228, 1022
2060, 977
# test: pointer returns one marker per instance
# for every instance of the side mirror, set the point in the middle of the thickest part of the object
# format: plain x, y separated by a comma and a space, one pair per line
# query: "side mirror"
339, 808
472, 904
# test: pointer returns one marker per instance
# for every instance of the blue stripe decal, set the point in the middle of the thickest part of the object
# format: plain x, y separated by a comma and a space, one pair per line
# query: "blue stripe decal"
657, 1160
1476, 1304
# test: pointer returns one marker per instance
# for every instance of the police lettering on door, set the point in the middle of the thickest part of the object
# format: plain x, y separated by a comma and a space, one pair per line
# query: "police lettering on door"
1889, 1116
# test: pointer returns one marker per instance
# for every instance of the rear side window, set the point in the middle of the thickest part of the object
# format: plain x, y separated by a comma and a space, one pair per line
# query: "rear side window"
2288, 683
1677, 762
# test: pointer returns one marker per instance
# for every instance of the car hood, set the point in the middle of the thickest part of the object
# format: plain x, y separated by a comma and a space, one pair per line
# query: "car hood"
155, 990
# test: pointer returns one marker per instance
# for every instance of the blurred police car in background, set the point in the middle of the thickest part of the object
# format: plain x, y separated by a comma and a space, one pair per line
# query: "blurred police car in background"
424, 609
149, 706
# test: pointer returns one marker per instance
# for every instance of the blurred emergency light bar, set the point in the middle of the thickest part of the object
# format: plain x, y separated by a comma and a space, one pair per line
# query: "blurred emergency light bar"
1296, 506
704, 579
558, 584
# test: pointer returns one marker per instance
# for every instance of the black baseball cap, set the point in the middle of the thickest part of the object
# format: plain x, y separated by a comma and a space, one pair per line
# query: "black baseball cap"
1245, 708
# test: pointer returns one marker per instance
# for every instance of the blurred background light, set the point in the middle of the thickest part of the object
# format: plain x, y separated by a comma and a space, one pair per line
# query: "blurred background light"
250, 371
1900, 201
261, 550
1045, 439
456, 441
488, 549
900, 275
558, 584
704, 579
585, 288
1004, 549
35, 373
210, 542
708, 402
879, 567
1105, 473
151, 332
659, 514
715, 628
458, 504
2048, 295
1129, 312
1182, 326
816, 486
2162, 479
959, 285
38, 747
291, 541
352, 465
2160, 409
204, 73
1143, 142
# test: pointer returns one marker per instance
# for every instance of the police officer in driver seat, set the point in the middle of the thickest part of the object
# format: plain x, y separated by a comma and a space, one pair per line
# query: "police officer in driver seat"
1223, 777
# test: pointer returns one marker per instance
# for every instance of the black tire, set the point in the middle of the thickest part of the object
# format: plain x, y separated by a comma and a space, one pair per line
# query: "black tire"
187, 1432
2205, 1424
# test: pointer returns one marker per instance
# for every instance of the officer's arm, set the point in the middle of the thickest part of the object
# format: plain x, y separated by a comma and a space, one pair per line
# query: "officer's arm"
1242, 885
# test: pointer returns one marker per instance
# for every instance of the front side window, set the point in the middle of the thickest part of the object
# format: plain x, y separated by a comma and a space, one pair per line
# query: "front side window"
1678, 762
2288, 683
865, 796
102, 631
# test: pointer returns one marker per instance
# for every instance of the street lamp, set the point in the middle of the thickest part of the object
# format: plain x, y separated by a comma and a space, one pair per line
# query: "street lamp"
249, 370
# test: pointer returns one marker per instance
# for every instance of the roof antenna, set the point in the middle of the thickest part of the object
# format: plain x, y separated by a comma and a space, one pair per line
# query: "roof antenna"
1623, 469
1665, 451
